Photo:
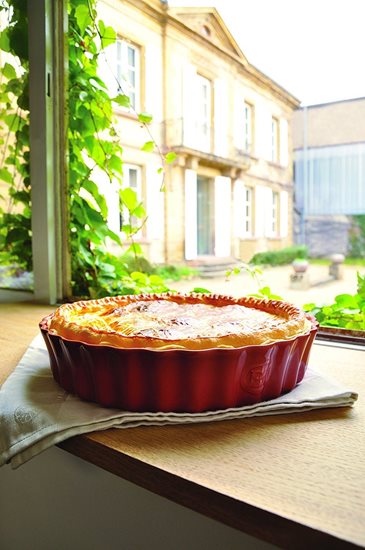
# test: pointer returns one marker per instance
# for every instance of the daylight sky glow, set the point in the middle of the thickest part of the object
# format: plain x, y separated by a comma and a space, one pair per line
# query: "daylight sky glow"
315, 49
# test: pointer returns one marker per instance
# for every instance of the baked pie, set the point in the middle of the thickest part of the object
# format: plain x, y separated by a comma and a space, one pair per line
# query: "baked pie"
178, 352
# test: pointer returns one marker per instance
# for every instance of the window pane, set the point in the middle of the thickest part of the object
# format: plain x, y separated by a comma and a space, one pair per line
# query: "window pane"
16, 264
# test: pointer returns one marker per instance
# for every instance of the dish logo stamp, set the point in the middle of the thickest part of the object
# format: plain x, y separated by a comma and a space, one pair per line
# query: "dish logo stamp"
254, 379
23, 415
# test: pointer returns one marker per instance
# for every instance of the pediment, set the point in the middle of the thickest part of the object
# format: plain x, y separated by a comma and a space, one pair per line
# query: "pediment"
208, 23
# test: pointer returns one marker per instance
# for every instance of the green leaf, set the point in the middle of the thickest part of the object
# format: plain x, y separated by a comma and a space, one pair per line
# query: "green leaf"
146, 118
160, 170
4, 41
148, 146
17, 234
83, 17
115, 163
170, 157
8, 71
108, 37
201, 290
122, 100
5, 175
346, 301
129, 198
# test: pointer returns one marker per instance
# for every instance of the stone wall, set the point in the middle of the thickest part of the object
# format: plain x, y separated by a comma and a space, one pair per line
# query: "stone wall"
326, 235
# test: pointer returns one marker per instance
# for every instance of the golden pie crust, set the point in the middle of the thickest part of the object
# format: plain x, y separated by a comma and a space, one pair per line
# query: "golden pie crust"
178, 321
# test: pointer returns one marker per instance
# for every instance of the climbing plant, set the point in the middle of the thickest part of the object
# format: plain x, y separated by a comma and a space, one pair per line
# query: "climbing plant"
94, 153
15, 213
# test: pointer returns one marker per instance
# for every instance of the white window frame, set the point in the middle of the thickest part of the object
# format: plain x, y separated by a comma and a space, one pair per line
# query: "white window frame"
123, 69
274, 139
47, 155
247, 211
247, 127
275, 206
124, 214
204, 113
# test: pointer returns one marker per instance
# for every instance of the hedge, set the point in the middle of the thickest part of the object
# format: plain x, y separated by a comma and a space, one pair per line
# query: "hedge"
280, 257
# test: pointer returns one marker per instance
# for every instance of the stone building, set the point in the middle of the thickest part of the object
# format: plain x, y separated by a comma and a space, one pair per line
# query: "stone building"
329, 156
229, 194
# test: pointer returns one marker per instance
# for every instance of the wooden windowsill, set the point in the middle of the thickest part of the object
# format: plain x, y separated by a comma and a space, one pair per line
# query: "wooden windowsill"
292, 480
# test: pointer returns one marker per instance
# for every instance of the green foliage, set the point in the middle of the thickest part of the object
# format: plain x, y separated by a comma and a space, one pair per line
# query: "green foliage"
347, 311
94, 153
284, 256
265, 293
15, 213
357, 237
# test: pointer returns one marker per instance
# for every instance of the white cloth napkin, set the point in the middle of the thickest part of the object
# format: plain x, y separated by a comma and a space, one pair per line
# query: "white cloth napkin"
36, 413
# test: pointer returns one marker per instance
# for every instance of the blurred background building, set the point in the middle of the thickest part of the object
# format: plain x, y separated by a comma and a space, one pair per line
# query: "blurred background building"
329, 160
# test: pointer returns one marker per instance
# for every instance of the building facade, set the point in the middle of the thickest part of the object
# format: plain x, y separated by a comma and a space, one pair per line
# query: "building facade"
329, 157
229, 193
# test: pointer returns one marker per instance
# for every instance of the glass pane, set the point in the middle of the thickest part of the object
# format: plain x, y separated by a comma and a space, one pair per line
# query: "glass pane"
15, 207
133, 182
131, 56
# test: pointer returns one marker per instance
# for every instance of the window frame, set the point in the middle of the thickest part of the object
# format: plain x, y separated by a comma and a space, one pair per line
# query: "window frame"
204, 138
248, 212
275, 210
124, 214
122, 45
248, 127
275, 139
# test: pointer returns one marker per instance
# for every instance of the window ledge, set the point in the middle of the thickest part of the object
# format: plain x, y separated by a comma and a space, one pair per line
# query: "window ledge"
209, 467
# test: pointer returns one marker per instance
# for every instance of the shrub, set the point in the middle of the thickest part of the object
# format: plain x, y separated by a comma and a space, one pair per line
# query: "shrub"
280, 257
357, 237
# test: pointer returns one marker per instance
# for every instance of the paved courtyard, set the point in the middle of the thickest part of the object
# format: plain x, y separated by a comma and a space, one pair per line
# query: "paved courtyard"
278, 279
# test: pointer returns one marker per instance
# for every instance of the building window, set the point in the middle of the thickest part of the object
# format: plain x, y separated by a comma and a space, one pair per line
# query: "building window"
247, 212
204, 113
247, 127
132, 178
274, 139
275, 214
128, 71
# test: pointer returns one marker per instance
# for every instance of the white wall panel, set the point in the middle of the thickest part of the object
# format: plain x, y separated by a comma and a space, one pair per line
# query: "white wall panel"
153, 88
260, 209
284, 213
238, 208
189, 105
263, 131
284, 144
191, 217
221, 106
154, 203
223, 216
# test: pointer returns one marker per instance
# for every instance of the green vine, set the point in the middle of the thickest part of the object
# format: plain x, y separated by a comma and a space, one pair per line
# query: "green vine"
94, 148
15, 210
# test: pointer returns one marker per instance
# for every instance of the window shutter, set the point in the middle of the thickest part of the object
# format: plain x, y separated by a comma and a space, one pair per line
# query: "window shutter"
238, 120
221, 117
189, 122
239, 197
191, 217
263, 131
154, 203
284, 144
284, 213
153, 75
260, 210
222, 201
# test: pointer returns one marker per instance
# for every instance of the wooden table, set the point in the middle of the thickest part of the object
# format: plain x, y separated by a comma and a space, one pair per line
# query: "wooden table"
295, 480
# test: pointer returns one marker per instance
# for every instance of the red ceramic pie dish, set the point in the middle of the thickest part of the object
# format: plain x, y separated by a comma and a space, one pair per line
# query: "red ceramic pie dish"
177, 380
